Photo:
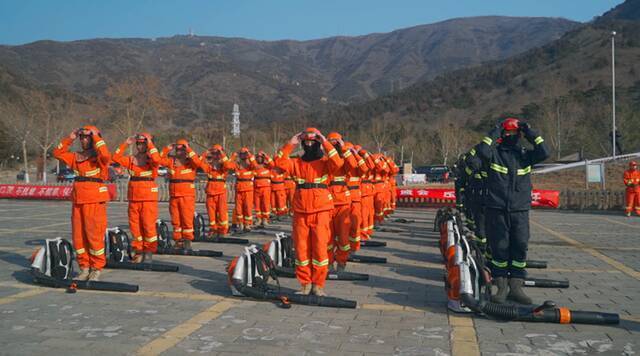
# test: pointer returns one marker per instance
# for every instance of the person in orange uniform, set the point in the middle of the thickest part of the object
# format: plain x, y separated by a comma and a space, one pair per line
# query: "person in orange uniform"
142, 194
278, 193
379, 187
394, 170
89, 198
290, 187
182, 190
368, 193
312, 205
339, 245
354, 184
216, 164
244, 170
632, 182
262, 188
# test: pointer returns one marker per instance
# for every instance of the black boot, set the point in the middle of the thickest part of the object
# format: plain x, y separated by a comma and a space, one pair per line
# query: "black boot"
503, 289
516, 293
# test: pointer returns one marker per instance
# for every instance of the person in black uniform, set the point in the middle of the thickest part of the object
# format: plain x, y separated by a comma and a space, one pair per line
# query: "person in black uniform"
507, 202
477, 191
460, 181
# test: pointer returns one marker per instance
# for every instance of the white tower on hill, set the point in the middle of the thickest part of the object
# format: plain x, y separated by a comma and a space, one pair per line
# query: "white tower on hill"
235, 131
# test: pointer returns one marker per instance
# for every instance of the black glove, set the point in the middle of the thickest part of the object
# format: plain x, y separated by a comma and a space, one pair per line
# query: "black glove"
523, 126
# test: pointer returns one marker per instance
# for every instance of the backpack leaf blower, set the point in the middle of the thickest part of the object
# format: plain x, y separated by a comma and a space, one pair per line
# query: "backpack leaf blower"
118, 249
281, 252
52, 266
200, 235
166, 247
249, 274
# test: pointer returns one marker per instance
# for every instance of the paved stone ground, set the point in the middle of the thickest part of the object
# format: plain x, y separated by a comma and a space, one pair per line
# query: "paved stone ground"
401, 308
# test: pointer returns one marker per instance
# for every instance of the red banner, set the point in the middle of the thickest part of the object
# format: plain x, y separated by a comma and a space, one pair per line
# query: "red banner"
539, 198
44, 192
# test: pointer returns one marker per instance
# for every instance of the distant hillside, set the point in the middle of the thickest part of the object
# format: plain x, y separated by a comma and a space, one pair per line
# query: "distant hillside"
204, 76
567, 81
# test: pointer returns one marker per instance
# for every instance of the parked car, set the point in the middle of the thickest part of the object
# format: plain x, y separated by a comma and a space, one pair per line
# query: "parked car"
20, 176
162, 171
65, 175
435, 173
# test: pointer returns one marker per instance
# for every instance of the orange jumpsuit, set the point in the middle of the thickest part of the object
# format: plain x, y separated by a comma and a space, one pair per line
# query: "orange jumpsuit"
380, 189
632, 182
89, 202
339, 245
262, 192
290, 186
278, 194
182, 192
367, 199
142, 194
354, 184
216, 190
312, 206
244, 192
394, 170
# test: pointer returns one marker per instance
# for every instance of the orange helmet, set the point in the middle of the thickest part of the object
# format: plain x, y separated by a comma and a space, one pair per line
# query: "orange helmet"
510, 124
633, 164
244, 150
310, 134
182, 143
216, 147
144, 137
90, 130
334, 136
348, 145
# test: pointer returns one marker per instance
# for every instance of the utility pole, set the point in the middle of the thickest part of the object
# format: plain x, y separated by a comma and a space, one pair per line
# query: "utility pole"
613, 91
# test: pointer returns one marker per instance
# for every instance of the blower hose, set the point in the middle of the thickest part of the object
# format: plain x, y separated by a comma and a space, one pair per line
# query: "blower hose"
369, 243
288, 272
155, 267
223, 240
43, 279
545, 313
261, 294
185, 252
536, 264
545, 283
366, 259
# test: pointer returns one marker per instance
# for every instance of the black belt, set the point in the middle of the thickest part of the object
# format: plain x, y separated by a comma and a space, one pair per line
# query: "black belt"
378, 182
354, 187
366, 181
263, 177
277, 182
180, 181
311, 186
338, 183
87, 179
141, 179
217, 180
244, 180
289, 179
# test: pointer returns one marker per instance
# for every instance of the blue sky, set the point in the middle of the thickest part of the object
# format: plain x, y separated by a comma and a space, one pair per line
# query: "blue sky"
23, 21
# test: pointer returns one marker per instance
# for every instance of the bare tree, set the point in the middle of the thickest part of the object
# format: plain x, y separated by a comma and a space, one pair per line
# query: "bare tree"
380, 133
18, 119
134, 102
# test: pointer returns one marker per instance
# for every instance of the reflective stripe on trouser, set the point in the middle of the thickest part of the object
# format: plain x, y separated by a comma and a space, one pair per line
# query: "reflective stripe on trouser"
244, 207
356, 221
633, 200
508, 235
218, 213
368, 212
279, 202
262, 199
312, 233
88, 226
142, 222
378, 204
340, 230
182, 210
